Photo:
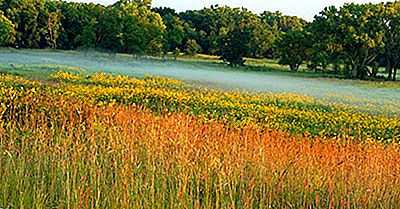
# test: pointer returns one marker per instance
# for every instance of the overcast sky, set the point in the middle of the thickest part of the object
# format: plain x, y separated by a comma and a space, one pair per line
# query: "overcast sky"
302, 8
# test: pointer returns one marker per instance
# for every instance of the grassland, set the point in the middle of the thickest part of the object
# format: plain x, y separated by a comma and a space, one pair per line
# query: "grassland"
381, 97
98, 141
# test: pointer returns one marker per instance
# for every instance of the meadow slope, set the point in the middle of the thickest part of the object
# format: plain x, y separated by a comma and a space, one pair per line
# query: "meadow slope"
379, 97
100, 141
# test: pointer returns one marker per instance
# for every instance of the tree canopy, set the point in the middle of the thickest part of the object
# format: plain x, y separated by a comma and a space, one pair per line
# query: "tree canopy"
353, 41
7, 31
358, 35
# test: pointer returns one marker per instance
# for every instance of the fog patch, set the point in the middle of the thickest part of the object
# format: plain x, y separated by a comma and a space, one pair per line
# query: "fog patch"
213, 76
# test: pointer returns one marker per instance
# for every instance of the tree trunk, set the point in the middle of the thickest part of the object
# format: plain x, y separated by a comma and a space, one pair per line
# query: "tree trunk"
354, 71
360, 74
294, 67
395, 66
49, 25
335, 67
374, 71
389, 69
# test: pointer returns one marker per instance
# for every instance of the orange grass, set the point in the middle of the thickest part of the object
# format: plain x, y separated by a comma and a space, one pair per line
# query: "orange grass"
69, 154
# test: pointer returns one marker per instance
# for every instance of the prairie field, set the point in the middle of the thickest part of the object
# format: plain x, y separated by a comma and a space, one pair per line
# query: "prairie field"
178, 104
73, 139
381, 97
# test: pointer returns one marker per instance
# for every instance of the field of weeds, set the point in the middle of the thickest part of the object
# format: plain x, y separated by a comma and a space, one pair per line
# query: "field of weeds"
377, 97
101, 141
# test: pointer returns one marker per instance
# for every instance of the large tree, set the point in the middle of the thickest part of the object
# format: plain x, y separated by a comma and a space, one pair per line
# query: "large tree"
279, 25
151, 27
79, 23
174, 33
241, 34
7, 31
207, 24
37, 22
29, 17
389, 17
293, 48
53, 14
131, 27
109, 29
352, 33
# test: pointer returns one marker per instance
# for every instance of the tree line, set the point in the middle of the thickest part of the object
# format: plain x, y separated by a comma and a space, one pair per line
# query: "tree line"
354, 41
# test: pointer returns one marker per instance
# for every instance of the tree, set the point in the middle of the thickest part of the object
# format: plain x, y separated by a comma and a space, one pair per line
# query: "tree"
109, 29
319, 58
351, 33
7, 31
192, 48
79, 23
130, 27
31, 22
231, 33
280, 24
53, 23
389, 15
243, 35
164, 11
153, 29
234, 46
174, 33
207, 24
293, 48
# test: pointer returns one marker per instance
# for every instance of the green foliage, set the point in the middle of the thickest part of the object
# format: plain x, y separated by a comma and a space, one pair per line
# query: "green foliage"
293, 48
79, 24
348, 40
231, 33
202, 22
109, 30
173, 36
127, 26
192, 48
389, 15
30, 19
142, 29
282, 23
234, 36
7, 31
352, 33
164, 11
53, 23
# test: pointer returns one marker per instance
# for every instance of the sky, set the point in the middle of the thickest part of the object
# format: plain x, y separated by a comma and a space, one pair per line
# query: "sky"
302, 8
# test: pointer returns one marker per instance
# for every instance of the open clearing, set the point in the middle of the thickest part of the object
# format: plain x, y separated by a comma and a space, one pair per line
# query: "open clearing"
79, 138
358, 95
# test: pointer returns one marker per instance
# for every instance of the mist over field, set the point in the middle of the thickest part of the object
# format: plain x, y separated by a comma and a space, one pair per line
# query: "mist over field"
212, 76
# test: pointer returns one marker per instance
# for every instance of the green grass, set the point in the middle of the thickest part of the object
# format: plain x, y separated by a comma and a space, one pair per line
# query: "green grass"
207, 71
42, 72
36, 72
272, 66
60, 150
269, 66
251, 63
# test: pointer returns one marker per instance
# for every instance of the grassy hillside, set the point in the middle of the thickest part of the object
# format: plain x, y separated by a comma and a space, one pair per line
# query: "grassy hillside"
100, 141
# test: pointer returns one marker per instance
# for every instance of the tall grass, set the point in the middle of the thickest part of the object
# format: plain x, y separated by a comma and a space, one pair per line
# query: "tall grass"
289, 112
62, 152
